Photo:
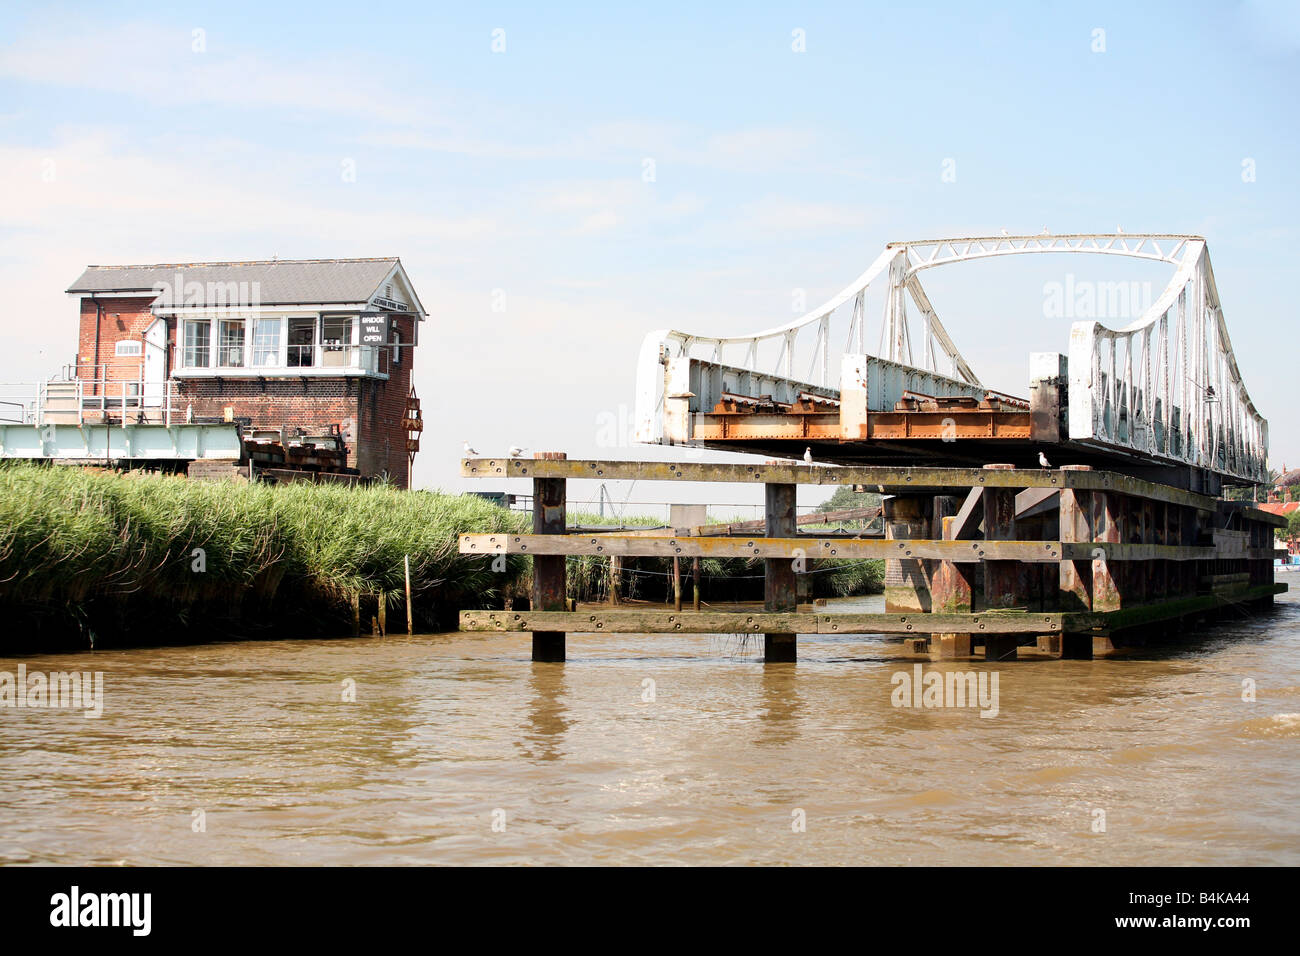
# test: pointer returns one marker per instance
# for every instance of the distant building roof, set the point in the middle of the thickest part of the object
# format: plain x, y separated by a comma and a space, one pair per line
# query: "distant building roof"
1278, 507
268, 282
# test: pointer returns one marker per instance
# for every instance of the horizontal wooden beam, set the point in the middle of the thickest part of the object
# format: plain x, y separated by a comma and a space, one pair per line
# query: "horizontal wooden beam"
889, 480
1106, 551
758, 622
812, 548
1166, 610
632, 545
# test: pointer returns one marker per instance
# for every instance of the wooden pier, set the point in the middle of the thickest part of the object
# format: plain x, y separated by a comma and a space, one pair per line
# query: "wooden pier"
1071, 561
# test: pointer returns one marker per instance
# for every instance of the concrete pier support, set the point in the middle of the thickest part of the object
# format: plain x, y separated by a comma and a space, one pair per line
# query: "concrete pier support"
780, 583
550, 588
907, 587
951, 588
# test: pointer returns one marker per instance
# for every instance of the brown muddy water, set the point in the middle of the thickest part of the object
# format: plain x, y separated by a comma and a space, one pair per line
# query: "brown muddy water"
459, 750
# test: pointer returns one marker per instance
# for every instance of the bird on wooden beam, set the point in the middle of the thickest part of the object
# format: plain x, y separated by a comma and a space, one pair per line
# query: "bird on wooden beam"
807, 455
469, 452
1042, 461
516, 451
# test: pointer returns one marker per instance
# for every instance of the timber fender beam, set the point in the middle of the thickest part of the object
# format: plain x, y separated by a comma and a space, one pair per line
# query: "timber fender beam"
890, 480
758, 622
707, 546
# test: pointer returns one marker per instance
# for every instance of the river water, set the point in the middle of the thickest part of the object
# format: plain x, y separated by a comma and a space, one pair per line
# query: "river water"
457, 749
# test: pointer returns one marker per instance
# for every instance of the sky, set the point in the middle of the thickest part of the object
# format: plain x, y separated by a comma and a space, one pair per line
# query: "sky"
502, 151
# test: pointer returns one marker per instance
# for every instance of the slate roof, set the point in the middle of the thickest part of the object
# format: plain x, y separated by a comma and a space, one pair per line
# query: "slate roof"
270, 282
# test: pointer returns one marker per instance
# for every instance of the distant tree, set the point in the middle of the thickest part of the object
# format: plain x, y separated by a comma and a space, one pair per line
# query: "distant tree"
845, 497
1293, 525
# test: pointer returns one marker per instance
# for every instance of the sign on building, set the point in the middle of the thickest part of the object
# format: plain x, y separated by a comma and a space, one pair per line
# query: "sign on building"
374, 329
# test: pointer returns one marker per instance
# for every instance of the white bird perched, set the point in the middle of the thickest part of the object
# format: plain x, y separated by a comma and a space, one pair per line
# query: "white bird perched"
469, 451
1042, 460
515, 451
807, 455
1119, 229
1045, 232
1005, 233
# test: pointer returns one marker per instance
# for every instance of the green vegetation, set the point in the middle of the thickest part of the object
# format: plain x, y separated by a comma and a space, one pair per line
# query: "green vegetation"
89, 557
93, 558
723, 579
845, 497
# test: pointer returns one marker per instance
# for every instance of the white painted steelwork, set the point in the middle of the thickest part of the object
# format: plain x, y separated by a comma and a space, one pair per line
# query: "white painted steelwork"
1166, 386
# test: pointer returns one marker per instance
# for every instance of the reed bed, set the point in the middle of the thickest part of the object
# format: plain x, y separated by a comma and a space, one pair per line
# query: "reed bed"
87, 556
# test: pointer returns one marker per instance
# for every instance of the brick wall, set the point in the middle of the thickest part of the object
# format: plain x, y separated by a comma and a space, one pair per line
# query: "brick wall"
369, 412
120, 319
380, 410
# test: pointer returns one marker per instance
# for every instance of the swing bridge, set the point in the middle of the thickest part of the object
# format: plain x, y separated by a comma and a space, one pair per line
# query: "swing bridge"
990, 550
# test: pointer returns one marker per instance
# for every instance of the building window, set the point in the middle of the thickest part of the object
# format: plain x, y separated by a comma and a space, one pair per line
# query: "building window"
127, 348
302, 342
230, 353
336, 341
396, 339
198, 343
266, 342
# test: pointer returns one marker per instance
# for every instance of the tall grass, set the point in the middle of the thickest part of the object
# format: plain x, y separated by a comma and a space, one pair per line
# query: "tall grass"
86, 555
723, 579
95, 558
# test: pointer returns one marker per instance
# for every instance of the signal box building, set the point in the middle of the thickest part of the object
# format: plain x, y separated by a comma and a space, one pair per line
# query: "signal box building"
319, 347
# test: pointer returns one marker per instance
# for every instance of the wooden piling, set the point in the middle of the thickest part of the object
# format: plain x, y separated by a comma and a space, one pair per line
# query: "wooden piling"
406, 566
677, 583
550, 588
382, 600
1002, 579
695, 582
780, 584
615, 572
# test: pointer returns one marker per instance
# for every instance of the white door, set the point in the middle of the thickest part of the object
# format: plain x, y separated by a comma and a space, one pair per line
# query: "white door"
155, 363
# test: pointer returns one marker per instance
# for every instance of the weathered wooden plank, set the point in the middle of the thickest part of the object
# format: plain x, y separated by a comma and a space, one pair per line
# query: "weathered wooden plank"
891, 480
812, 548
1116, 551
757, 622
1166, 610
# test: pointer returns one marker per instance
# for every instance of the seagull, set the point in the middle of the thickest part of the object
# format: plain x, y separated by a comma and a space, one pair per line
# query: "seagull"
1042, 460
1119, 229
469, 452
1045, 232
807, 455
1005, 233
515, 451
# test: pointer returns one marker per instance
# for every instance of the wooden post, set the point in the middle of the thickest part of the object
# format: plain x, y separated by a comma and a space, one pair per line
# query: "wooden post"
677, 583
780, 584
1001, 578
406, 566
950, 593
615, 569
1075, 588
356, 613
549, 584
383, 614
695, 581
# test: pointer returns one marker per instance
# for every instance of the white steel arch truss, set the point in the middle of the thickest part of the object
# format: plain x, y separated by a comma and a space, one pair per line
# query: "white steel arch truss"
1167, 385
